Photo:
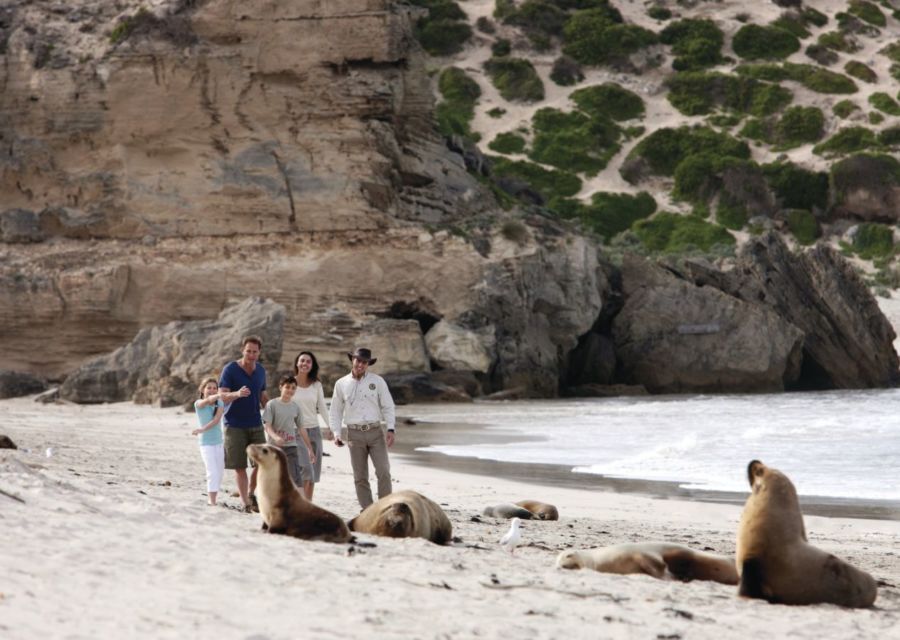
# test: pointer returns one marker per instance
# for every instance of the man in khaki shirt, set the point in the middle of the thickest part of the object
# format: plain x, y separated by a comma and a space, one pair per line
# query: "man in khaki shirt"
362, 402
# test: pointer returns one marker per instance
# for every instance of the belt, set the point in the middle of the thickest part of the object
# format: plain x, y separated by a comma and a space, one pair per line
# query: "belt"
365, 426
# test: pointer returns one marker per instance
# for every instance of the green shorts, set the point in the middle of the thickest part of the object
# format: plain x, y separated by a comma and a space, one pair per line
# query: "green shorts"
236, 441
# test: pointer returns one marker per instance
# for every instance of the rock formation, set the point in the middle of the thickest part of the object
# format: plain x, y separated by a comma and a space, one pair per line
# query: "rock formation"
14, 384
165, 364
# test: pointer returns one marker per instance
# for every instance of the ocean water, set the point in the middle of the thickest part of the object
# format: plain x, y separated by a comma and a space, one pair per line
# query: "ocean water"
840, 444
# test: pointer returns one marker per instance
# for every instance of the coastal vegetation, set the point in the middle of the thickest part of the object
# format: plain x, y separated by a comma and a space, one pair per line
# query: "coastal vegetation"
673, 233
609, 100
848, 140
444, 31
699, 93
756, 42
515, 79
455, 112
573, 141
608, 214
696, 44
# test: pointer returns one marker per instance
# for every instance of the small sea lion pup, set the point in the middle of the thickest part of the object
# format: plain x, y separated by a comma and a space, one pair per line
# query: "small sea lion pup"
774, 560
541, 510
658, 559
282, 505
508, 510
405, 514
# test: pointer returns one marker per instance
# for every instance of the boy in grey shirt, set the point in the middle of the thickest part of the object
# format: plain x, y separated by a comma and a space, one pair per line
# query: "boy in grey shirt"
282, 420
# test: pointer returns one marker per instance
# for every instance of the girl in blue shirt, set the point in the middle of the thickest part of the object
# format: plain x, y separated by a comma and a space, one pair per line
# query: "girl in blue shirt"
209, 409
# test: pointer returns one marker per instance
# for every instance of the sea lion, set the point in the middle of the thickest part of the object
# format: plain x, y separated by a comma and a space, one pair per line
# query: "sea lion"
658, 559
405, 514
282, 505
541, 510
774, 560
508, 510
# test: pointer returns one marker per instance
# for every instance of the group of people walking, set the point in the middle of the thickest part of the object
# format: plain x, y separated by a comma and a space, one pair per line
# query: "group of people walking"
361, 414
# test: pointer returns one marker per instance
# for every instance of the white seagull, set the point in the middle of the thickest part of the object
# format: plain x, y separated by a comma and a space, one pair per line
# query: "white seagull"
512, 537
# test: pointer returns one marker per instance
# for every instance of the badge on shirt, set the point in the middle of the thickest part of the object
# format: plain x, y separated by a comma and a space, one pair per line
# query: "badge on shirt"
372, 386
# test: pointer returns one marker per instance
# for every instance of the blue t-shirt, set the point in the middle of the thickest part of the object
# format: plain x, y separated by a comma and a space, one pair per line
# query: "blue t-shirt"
204, 415
243, 413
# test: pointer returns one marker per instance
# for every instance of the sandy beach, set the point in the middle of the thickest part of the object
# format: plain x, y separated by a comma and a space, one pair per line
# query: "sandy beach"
112, 537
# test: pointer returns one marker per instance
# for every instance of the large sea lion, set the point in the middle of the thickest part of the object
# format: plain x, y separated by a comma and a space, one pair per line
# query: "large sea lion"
508, 510
405, 514
774, 560
283, 507
658, 559
541, 510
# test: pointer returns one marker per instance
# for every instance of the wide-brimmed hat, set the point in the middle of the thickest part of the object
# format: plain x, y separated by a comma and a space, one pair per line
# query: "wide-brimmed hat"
363, 354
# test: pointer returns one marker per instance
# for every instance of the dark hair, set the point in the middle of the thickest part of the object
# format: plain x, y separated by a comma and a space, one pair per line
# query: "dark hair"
254, 339
203, 384
313, 371
287, 379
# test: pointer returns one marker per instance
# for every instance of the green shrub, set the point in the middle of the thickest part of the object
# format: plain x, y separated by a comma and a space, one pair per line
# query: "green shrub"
504, 8
892, 51
860, 71
759, 129
764, 71
876, 117
725, 120
496, 112
460, 92
868, 12
699, 93
609, 100
799, 125
659, 13
849, 23
839, 41
443, 37
698, 178
754, 42
696, 43
664, 149
551, 184
822, 55
515, 79
803, 225
793, 23
884, 102
508, 142
485, 25
890, 137
847, 140
731, 216
611, 213
501, 47
597, 36
538, 17
566, 71
844, 108
514, 231
573, 141
873, 240
796, 187
673, 233
820, 80
814, 17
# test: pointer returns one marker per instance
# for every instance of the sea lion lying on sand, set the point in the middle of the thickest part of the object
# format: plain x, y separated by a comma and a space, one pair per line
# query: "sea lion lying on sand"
774, 560
508, 510
541, 510
283, 507
658, 559
405, 514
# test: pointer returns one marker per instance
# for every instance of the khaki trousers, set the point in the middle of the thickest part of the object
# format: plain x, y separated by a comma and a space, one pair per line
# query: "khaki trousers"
363, 445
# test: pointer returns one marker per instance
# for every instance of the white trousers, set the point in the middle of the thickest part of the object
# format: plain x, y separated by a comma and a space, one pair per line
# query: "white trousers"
214, 458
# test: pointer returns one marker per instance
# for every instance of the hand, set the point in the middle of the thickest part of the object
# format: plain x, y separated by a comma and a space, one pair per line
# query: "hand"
195, 432
277, 439
329, 434
338, 442
243, 392
389, 437
312, 455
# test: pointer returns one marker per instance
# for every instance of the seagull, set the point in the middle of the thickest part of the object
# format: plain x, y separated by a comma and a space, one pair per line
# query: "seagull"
512, 537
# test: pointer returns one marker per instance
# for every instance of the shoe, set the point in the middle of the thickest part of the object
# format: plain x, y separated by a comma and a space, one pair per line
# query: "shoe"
255, 505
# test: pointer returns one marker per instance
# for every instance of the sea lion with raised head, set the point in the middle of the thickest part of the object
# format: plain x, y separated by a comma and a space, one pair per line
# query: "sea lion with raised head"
541, 510
661, 560
508, 510
282, 505
405, 514
774, 560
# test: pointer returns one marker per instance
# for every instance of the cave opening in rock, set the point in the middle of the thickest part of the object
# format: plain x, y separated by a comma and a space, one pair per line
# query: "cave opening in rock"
812, 376
421, 310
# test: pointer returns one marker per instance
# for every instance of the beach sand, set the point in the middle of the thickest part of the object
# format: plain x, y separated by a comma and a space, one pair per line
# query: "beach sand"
114, 539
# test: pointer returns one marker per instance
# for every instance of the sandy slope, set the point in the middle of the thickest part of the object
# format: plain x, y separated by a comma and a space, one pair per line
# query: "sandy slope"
114, 539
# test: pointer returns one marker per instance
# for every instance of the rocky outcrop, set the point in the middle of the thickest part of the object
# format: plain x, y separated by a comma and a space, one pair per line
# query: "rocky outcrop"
675, 336
14, 384
163, 365
866, 187
453, 347
422, 387
847, 341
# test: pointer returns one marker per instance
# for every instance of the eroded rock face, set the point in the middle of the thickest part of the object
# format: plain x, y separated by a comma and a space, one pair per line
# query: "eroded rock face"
674, 336
867, 187
14, 384
165, 364
455, 347
848, 342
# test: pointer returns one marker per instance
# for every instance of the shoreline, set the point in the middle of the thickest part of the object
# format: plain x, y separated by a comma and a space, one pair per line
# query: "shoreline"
426, 433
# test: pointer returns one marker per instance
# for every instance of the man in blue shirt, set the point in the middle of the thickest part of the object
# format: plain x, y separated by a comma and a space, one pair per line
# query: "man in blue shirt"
243, 424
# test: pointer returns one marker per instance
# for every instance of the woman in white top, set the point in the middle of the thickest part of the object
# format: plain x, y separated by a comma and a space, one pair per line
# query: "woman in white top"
310, 397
